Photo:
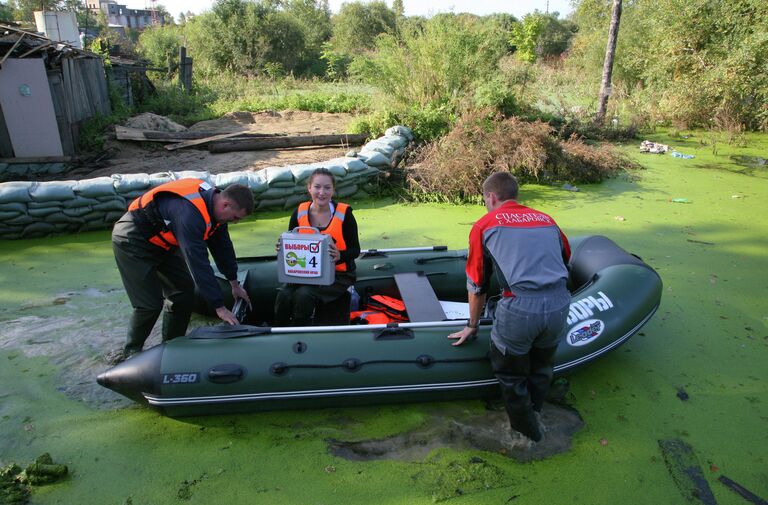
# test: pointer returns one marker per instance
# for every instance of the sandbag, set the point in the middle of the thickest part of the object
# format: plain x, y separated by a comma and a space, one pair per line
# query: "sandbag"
294, 201
278, 192
77, 211
41, 213
396, 141
346, 191
223, 181
60, 217
354, 165
301, 172
100, 186
194, 174
130, 182
52, 190
278, 174
374, 159
79, 201
5, 215
337, 170
270, 203
45, 205
159, 178
400, 130
116, 205
379, 147
38, 229
13, 207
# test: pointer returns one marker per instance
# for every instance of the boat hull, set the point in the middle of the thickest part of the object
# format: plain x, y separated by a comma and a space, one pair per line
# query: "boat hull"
236, 369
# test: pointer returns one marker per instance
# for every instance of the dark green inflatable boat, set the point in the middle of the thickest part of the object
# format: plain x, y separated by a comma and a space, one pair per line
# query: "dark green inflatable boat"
220, 369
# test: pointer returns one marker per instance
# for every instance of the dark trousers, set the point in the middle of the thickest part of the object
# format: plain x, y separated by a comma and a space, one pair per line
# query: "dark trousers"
296, 303
524, 381
156, 281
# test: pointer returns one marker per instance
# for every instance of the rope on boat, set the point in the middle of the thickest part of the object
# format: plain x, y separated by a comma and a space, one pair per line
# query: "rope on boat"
354, 364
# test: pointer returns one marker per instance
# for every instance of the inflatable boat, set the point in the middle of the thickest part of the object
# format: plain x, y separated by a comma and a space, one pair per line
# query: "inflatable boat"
255, 366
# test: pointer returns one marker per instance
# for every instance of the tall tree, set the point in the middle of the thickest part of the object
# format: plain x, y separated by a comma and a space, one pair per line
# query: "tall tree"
610, 52
399, 8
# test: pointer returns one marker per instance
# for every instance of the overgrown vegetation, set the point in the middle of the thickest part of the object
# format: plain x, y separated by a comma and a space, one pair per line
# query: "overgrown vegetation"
482, 142
705, 65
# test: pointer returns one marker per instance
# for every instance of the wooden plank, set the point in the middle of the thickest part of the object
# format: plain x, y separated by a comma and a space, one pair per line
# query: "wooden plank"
127, 133
282, 142
39, 159
197, 142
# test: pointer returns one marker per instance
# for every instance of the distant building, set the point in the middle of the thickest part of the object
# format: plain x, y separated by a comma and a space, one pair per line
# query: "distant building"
119, 14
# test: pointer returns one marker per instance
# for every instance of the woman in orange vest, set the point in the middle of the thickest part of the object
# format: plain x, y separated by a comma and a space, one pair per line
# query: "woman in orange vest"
296, 303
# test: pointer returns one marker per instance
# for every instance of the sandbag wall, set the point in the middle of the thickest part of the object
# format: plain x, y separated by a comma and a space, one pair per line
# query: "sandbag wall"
34, 209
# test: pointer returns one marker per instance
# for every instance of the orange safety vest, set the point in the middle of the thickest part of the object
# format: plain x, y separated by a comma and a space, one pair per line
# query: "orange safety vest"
392, 307
333, 229
185, 188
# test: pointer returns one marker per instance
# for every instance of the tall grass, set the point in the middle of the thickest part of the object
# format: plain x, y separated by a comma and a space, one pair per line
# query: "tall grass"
216, 95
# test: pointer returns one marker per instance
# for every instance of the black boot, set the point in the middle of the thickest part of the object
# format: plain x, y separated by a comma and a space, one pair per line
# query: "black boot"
542, 363
512, 372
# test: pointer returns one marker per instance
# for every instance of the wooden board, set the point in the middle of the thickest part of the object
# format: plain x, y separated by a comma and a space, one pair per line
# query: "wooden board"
257, 144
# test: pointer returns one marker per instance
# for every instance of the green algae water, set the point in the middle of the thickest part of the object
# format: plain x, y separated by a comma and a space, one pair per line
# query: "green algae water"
62, 306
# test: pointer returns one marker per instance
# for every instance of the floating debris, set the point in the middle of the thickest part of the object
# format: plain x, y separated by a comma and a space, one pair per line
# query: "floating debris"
686, 472
742, 491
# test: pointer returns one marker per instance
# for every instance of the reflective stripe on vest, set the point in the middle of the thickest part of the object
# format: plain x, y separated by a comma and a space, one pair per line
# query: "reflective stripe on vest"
185, 188
333, 229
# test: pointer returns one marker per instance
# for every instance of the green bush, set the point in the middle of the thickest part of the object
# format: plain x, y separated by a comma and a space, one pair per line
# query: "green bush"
160, 45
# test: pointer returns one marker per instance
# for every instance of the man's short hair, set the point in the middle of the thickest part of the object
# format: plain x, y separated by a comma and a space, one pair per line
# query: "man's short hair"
503, 185
240, 195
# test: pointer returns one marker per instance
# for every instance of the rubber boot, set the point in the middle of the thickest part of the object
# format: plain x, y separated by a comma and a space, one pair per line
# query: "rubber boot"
512, 372
542, 364
139, 327
175, 324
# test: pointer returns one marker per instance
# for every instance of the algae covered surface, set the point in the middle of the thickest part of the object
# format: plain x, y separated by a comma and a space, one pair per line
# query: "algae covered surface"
696, 372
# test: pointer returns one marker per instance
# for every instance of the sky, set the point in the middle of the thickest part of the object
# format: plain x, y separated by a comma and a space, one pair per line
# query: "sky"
412, 7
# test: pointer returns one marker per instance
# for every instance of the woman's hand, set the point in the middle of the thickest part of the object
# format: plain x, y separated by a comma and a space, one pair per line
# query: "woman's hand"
277, 246
335, 254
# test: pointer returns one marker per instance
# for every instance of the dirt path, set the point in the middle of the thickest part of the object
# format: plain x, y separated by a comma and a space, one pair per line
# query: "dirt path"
146, 157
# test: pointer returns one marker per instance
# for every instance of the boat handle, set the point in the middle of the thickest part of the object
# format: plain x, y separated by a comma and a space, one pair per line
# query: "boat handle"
226, 374
383, 266
393, 333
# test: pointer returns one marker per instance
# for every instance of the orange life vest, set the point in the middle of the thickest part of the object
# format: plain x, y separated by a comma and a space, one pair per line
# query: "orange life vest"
333, 229
392, 307
185, 188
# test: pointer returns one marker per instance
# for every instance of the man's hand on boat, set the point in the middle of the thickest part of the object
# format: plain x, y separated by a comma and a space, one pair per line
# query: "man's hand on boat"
238, 291
462, 336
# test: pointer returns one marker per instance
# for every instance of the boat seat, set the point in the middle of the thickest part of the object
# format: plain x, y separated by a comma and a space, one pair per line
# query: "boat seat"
334, 313
419, 297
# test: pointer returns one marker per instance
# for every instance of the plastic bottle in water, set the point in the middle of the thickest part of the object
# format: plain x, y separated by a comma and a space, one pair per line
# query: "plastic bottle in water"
354, 299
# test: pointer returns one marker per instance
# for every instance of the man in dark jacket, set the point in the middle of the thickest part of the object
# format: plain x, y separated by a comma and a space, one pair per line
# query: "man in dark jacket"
529, 254
161, 248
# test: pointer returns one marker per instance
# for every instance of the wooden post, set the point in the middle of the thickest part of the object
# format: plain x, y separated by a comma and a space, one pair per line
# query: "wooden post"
188, 74
183, 68
610, 52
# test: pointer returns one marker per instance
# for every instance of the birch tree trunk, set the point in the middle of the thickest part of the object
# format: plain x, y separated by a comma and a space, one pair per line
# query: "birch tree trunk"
610, 51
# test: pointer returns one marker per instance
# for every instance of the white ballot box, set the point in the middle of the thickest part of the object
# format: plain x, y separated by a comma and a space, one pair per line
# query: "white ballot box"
305, 258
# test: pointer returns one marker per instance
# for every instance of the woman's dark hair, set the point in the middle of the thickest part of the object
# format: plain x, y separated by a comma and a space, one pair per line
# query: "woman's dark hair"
322, 171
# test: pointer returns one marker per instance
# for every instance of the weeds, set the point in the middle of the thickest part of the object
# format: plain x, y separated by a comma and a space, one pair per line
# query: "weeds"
454, 168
